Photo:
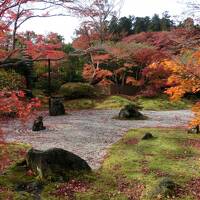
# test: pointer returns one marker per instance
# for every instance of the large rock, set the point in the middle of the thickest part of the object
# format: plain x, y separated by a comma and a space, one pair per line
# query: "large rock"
131, 112
55, 163
56, 107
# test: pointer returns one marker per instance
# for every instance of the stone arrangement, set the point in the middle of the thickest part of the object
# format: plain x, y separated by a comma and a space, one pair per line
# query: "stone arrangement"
38, 124
131, 112
56, 107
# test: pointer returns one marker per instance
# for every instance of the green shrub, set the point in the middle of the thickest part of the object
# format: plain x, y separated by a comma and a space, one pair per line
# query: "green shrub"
42, 84
77, 90
10, 80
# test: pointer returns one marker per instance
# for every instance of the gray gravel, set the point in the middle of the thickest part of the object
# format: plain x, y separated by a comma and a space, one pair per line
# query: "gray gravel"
88, 133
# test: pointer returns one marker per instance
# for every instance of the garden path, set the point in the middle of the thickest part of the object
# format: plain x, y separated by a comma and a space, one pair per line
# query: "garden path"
88, 133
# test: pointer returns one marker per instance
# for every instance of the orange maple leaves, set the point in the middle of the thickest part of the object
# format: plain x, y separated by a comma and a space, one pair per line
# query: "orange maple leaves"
185, 79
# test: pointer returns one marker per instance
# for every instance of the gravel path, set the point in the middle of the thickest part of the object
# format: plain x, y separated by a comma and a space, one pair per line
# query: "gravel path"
88, 133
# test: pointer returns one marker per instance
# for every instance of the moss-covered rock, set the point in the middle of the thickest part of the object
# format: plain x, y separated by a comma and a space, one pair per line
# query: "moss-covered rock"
77, 90
130, 111
55, 163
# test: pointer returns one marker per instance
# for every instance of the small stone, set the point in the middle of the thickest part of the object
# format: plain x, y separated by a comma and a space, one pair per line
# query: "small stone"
147, 136
38, 124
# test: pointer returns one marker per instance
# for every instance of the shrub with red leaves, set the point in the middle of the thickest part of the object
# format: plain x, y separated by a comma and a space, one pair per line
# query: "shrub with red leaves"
155, 80
15, 102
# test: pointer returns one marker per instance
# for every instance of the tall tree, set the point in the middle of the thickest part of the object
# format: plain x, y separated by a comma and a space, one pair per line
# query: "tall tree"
141, 24
155, 24
97, 14
185, 79
18, 12
166, 22
126, 25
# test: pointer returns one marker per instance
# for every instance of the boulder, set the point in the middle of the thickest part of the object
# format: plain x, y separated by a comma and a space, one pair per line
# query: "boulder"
56, 107
38, 124
55, 163
130, 112
147, 136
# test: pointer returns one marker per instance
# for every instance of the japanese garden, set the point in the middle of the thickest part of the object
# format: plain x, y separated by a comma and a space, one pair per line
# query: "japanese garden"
114, 114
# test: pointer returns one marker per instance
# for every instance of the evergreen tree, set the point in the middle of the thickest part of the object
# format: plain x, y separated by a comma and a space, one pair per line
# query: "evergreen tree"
126, 25
113, 25
166, 22
155, 24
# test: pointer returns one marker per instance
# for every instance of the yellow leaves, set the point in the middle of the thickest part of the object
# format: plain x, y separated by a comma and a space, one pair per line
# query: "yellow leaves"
172, 65
175, 93
173, 80
185, 78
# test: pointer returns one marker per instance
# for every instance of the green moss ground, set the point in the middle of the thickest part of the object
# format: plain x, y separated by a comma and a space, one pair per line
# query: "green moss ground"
117, 102
131, 169
163, 103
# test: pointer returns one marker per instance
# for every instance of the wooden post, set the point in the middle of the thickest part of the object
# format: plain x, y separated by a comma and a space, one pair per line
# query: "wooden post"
49, 82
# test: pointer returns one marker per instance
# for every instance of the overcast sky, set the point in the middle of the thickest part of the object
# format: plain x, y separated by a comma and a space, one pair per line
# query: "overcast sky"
65, 26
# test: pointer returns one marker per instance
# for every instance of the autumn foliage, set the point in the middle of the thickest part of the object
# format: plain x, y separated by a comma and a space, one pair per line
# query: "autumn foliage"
185, 79
15, 102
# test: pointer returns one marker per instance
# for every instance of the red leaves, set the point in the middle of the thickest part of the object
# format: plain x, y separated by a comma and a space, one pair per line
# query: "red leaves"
15, 102
44, 47
155, 79
193, 143
133, 190
68, 189
170, 42
86, 39
95, 75
193, 187
132, 141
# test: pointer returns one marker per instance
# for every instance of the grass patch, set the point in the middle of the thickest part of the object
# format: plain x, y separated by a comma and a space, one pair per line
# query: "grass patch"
163, 103
123, 174
78, 104
112, 102
117, 102
131, 170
